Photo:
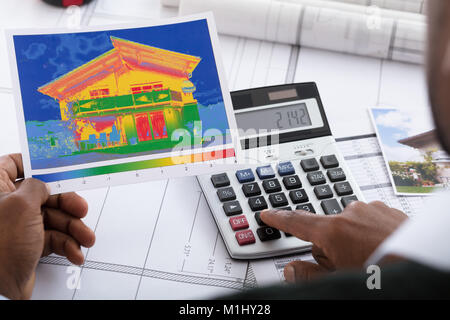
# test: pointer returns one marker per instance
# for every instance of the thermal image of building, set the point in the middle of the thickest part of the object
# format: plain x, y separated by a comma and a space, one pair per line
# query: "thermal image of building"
129, 99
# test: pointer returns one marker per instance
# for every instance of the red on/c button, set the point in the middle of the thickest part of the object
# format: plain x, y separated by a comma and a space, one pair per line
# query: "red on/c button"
67, 3
239, 222
245, 237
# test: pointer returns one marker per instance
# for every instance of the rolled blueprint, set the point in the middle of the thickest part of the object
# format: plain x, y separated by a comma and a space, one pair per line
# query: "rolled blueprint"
415, 6
386, 34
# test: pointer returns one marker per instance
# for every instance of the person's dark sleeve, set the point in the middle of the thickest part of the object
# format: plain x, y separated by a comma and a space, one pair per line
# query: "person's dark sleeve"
403, 280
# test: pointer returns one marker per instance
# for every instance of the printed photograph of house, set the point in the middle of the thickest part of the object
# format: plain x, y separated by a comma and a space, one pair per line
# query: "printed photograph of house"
415, 159
106, 95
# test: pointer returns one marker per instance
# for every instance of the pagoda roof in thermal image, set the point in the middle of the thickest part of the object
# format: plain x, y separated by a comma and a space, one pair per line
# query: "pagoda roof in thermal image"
126, 55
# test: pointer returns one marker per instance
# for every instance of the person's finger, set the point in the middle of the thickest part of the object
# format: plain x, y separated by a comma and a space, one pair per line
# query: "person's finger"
6, 185
35, 192
302, 224
63, 245
322, 259
58, 220
69, 202
11, 166
378, 204
302, 270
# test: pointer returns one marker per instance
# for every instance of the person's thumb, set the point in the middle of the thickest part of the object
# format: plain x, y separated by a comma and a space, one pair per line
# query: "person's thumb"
35, 191
302, 270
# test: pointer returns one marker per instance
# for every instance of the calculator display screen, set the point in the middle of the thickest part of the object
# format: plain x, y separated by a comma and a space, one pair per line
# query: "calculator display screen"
275, 118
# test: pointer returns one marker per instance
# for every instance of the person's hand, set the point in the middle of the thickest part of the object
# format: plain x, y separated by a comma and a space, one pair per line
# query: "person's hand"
339, 241
35, 224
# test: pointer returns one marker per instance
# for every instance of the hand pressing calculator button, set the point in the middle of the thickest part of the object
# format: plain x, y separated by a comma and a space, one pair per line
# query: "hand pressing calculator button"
265, 172
251, 189
271, 186
257, 203
244, 176
299, 167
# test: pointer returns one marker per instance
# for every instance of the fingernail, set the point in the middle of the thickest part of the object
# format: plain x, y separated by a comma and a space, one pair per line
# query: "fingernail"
289, 273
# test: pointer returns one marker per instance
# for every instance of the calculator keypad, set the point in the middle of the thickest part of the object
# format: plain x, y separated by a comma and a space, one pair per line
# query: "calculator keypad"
280, 189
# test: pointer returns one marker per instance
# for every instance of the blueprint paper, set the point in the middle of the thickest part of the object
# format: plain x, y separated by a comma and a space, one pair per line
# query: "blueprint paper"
108, 106
355, 29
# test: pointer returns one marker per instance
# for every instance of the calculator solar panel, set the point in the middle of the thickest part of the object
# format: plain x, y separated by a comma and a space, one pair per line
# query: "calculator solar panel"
302, 170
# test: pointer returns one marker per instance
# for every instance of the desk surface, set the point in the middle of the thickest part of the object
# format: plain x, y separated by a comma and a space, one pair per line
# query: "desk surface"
348, 85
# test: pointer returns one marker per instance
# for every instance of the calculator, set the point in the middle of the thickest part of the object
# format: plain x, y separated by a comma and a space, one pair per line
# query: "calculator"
289, 161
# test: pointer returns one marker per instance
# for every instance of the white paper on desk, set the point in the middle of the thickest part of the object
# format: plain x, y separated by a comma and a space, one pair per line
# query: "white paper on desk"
355, 29
123, 104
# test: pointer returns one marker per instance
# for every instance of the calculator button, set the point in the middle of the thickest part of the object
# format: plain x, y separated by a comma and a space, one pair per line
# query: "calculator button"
323, 192
265, 172
292, 182
346, 200
285, 168
220, 180
258, 219
306, 207
232, 208
268, 233
244, 176
271, 185
298, 196
257, 203
316, 178
309, 165
226, 194
245, 237
251, 189
278, 200
329, 161
238, 223
343, 188
336, 175
331, 207
286, 209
